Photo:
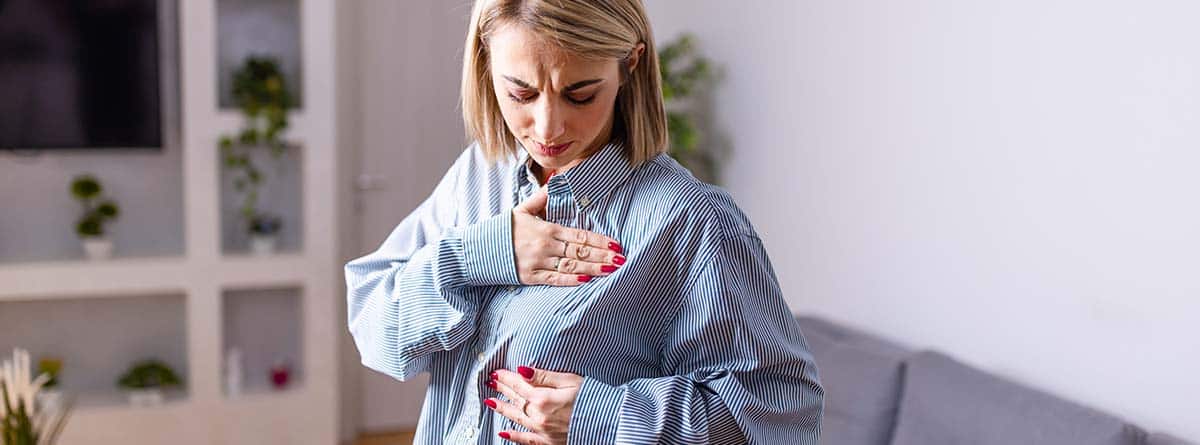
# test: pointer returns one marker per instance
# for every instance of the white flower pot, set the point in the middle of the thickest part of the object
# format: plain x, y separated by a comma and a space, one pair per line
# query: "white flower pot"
145, 397
97, 248
263, 244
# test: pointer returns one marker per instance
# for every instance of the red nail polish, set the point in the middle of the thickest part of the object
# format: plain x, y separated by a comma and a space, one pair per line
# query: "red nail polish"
608, 268
614, 247
584, 278
491, 384
525, 371
505, 435
618, 260
495, 376
490, 403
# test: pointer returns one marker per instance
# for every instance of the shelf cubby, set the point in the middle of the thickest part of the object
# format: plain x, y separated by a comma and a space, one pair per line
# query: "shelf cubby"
265, 324
98, 339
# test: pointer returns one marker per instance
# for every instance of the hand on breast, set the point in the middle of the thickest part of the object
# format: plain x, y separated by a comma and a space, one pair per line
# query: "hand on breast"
548, 253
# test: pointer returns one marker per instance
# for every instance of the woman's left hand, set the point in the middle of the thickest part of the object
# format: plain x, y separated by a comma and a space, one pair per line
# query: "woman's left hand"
541, 401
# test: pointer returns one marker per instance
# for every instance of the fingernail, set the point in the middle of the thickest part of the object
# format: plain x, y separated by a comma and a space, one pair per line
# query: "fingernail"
495, 376
608, 268
491, 384
504, 435
490, 403
584, 278
619, 260
614, 247
525, 371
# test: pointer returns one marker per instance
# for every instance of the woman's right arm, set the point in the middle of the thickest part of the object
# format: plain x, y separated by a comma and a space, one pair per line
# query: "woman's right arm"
410, 298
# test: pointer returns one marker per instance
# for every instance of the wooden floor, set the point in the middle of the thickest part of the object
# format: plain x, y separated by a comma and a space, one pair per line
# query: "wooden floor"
397, 438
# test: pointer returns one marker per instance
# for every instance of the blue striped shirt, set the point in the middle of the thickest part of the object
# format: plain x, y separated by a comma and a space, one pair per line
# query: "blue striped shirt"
690, 341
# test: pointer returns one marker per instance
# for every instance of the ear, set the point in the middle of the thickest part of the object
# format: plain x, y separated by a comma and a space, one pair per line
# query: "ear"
635, 56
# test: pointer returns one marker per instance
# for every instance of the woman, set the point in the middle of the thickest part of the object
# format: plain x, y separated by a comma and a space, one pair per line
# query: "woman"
568, 282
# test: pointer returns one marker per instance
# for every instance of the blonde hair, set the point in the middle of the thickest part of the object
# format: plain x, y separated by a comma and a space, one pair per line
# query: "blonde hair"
592, 29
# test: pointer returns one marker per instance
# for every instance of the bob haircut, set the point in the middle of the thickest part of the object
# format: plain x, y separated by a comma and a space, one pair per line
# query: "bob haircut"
590, 29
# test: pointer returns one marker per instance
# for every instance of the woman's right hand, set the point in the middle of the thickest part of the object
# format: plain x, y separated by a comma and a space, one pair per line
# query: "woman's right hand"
548, 253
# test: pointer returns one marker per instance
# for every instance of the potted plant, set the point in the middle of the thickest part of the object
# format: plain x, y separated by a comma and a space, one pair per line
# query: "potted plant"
146, 380
263, 97
97, 211
50, 397
264, 229
22, 422
682, 72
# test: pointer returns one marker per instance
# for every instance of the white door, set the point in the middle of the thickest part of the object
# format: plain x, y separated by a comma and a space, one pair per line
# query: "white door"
408, 130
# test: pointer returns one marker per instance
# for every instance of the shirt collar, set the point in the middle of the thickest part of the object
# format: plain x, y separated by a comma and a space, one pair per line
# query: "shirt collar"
593, 179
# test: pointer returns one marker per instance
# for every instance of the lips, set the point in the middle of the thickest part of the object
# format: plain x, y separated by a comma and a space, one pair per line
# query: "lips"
551, 150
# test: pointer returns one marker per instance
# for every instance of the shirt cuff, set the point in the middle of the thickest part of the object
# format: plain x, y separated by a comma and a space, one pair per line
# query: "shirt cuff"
596, 413
488, 252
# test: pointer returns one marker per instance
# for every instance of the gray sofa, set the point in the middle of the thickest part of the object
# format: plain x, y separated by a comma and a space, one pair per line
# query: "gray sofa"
878, 393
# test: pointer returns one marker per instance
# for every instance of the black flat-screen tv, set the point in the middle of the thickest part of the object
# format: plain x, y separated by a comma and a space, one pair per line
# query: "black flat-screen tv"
80, 74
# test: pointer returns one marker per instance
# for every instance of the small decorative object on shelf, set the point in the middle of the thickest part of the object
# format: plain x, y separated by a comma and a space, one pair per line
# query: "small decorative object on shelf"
146, 380
97, 211
264, 230
50, 397
263, 97
233, 372
22, 422
280, 373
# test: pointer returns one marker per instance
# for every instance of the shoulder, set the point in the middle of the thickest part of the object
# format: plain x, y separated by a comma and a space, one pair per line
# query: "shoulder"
700, 205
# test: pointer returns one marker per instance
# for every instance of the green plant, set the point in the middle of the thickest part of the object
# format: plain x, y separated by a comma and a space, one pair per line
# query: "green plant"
149, 374
22, 422
262, 95
97, 210
51, 367
265, 224
682, 71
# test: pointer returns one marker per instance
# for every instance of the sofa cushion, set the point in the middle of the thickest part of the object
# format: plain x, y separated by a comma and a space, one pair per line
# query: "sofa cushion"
1165, 439
861, 375
947, 402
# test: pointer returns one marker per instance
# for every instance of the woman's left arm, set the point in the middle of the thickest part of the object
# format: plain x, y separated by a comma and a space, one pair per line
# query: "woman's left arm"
742, 371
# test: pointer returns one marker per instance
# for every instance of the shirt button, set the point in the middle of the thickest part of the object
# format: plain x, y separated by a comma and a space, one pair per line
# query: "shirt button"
584, 201
481, 356
512, 288
470, 432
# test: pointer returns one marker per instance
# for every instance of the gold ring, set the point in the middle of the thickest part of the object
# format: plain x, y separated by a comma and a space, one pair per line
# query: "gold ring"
564, 248
524, 406
581, 251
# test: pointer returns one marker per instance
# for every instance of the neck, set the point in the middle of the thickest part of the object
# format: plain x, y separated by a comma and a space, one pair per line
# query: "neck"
543, 174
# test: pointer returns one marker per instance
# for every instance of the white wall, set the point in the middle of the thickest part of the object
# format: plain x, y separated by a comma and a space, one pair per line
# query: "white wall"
1015, 183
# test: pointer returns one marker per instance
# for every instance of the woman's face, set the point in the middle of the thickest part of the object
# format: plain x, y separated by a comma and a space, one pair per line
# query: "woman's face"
559, 106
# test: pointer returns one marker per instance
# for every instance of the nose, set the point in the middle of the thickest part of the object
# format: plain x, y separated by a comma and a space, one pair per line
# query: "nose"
548, 122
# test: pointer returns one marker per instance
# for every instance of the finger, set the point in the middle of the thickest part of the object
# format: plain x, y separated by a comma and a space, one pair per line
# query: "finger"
587, 253
515, 381
550, 379
552, 278
535, 204
508, 410
593, 239
574, 267
509, 393
524, 438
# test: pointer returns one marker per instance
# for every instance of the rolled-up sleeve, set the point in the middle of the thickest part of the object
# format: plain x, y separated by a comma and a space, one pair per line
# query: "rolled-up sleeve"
741, 370
411, 298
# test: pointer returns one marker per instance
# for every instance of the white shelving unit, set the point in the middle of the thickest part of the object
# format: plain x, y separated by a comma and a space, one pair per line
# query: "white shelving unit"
305, 413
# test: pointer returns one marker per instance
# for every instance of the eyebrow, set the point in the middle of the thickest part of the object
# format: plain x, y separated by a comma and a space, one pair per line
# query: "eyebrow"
569, 88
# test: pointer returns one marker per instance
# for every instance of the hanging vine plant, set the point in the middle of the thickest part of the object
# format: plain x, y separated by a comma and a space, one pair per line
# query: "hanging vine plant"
261, 93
